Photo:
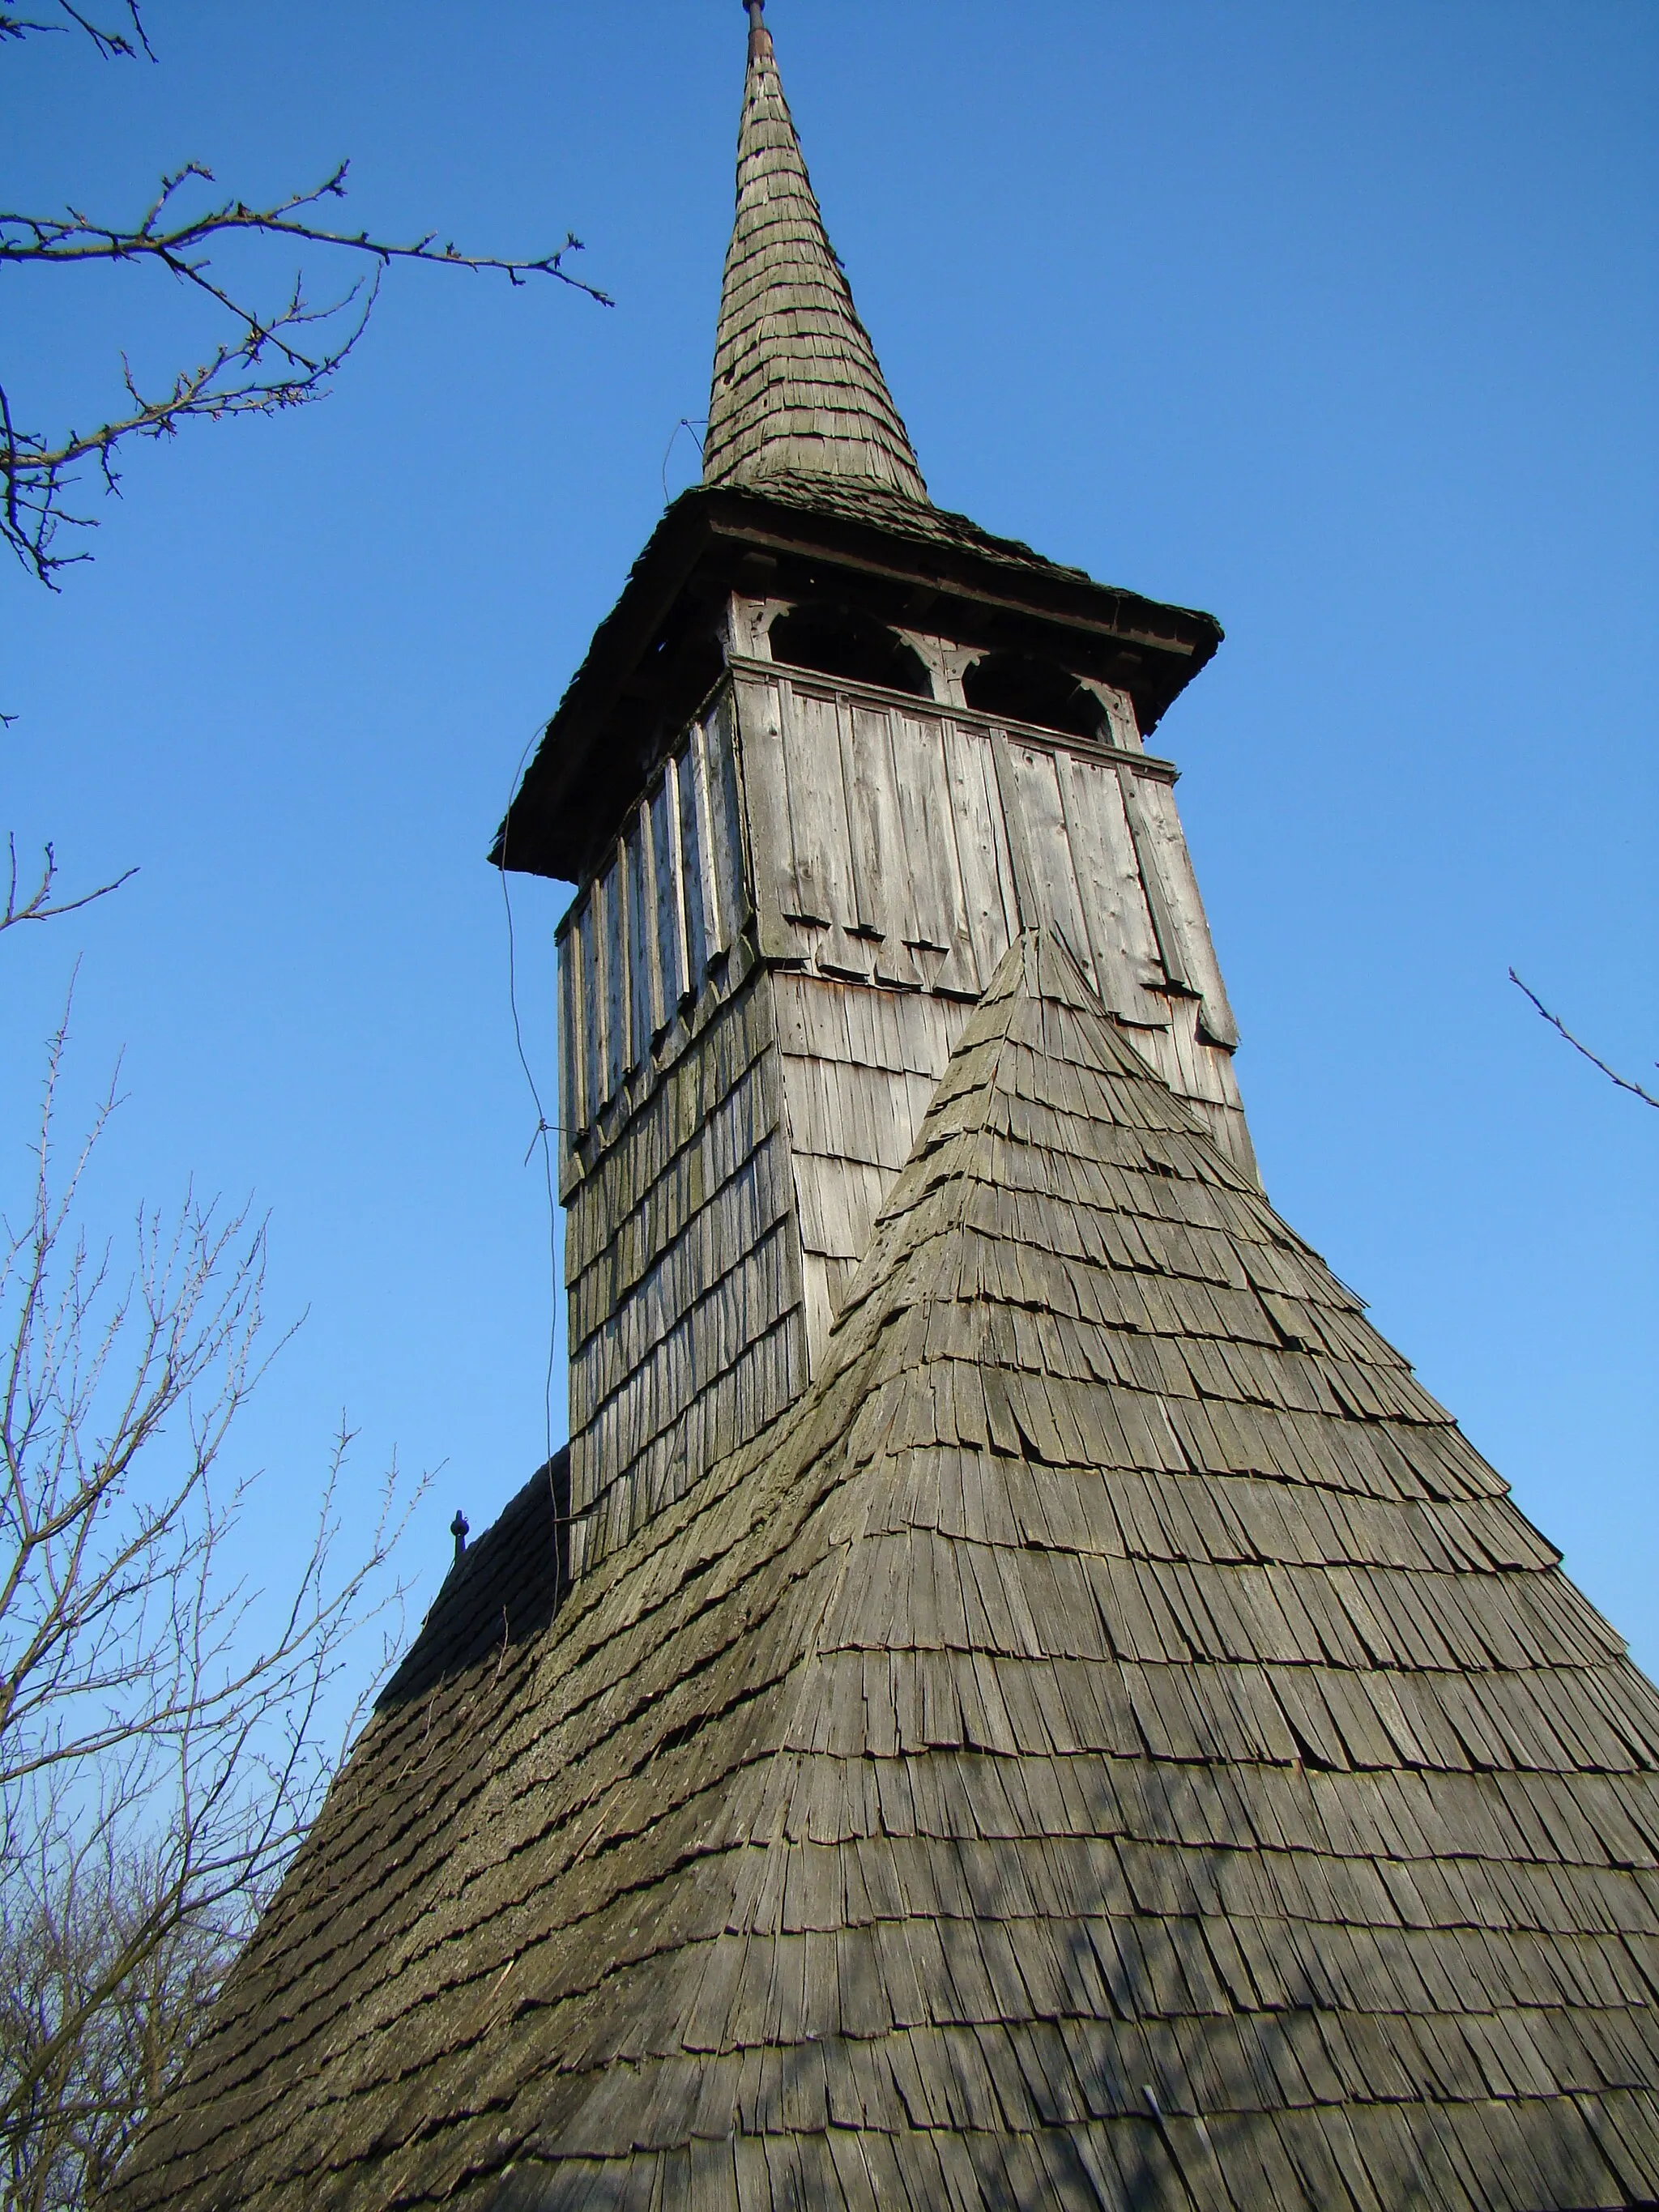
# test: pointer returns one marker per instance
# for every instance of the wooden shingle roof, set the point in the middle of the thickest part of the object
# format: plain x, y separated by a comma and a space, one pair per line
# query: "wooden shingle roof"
796, 385
1112, 1743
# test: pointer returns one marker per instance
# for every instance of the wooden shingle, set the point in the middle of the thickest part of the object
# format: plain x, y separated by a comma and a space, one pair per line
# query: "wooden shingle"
816, 1836
798, 391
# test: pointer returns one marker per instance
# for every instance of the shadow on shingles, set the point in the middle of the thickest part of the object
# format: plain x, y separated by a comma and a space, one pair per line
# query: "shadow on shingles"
504, 1588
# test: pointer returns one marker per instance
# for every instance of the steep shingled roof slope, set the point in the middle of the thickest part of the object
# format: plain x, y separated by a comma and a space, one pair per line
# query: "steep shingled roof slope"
1115, 1743
796, 385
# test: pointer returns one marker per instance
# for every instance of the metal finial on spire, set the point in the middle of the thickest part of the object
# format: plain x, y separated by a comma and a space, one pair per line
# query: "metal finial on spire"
757, 30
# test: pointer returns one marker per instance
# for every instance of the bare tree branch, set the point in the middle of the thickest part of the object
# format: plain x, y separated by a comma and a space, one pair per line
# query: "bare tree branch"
123, 45
270, 361
1556, 1023
37, 905
161, 1738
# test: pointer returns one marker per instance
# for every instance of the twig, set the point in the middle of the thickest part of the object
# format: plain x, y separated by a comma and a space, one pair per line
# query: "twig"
1556, 1023
37, 905
270, 362
113, 46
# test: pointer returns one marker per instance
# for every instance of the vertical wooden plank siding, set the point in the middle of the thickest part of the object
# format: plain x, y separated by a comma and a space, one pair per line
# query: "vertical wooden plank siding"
588, 983
939, 906
882, 835
697, 880
883, 878
759, 723
1037, 772
820, 834
610, 926
1187, 915
642, 992
1011, 819
672, 981
761, 989
731, 823
1126, 965
571, 1056
981, 851
1147, 861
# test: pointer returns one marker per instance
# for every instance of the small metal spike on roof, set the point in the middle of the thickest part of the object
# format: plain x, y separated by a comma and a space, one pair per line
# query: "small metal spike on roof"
797, 387
458, 1528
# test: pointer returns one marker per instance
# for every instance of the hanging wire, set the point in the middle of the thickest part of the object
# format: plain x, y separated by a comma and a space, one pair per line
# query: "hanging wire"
546, 1130
691, 422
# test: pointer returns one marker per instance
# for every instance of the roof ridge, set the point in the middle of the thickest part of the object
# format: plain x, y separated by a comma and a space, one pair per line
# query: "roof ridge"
797, 387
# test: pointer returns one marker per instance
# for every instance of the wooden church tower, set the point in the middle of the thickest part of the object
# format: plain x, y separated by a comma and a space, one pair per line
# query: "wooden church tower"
1013, 1697
831, 753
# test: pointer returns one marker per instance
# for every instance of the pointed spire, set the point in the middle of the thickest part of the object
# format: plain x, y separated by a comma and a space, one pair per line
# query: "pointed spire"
798, 389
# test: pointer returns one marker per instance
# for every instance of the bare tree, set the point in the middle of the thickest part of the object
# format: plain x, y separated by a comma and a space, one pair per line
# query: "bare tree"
270, 357
163, 1742
166, 1735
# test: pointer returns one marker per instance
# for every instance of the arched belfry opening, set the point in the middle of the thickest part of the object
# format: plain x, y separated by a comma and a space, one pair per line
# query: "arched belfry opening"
840, 640
1026, 688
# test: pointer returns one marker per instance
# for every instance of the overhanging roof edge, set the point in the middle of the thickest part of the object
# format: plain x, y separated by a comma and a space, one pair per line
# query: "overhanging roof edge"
945, 551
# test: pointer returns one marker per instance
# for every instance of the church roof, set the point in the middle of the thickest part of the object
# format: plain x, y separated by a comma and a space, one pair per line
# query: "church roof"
1112, 1742
797, 387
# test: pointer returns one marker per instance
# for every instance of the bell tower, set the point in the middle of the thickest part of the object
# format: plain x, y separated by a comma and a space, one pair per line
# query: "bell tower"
832, 750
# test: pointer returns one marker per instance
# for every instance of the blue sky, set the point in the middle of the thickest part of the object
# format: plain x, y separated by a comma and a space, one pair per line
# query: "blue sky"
1338, 321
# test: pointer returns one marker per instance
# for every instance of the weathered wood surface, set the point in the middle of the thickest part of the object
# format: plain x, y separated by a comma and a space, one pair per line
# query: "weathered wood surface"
682, 1280
876, 858
1112, 1744
796, 385
893, 844
652, 934
857, 1070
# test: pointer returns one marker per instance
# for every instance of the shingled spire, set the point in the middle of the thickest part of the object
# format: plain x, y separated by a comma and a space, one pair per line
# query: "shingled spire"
798, 390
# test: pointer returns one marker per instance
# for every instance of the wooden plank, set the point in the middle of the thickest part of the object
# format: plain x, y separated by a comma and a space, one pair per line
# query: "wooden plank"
700, 832
820, 832
881, 870
584, 942
759, 726
643, 992
817, 889
1121, 720
938, 921
731, 826
673, 978
1027, 911
1036, 779
696, 880
611, 945
981, 850
573, 1118
1186, 913
1151, 882
1108, 880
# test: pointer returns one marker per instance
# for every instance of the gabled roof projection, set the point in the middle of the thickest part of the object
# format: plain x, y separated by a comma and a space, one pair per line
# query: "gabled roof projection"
796, 385
1111, 1743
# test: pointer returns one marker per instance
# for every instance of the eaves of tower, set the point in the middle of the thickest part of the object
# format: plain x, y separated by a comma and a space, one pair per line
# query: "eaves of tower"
649, 666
